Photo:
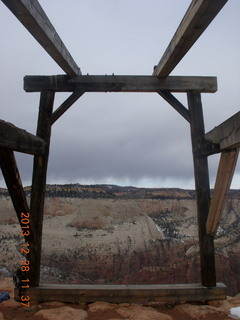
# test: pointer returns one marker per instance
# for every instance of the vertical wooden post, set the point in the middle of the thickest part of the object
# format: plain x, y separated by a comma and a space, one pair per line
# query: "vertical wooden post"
203, 195
39, 184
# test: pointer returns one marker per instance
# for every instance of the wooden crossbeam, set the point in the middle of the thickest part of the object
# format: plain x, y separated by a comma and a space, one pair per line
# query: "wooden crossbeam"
197, 18
227, 134
177, 105
35, 20
14, 184
116, 83
225, 173
126, 293
20, 140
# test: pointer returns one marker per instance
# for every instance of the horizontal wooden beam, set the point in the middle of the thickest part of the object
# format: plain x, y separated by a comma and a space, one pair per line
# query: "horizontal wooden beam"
35, 20
225, 173
197, 18
227, 134
20, 140
116, 83
126, 293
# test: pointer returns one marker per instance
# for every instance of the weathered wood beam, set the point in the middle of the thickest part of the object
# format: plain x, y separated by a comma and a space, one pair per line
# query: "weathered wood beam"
39, 184
177, 105
66, 105
203, 196
225, 173
126, 293
14, 184
116, 83
197, 18
20, 140
227, 134
35, 20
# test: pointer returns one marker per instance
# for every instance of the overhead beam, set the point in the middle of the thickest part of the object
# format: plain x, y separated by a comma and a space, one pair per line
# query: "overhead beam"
20, 140
35, 20
225, 173
115, 83
197, 18
227, 134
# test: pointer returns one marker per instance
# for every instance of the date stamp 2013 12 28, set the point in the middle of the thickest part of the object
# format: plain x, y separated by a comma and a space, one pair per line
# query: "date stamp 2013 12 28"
25, 264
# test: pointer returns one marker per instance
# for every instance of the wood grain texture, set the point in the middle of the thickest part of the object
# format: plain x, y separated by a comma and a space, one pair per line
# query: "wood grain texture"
35, 20
227, 134
66, 105
225, 173
203, 196
115, 83
15, 188
20, 140
175, 103
39, 184
197, 18
126, 293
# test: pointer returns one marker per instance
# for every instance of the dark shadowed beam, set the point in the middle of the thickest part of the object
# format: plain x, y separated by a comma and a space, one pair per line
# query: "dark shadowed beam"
20, 140
177, 105
225, 173
197, 18
66, 105
203, 196
39, 184
227, 134
115, 83
14, 184
35, 20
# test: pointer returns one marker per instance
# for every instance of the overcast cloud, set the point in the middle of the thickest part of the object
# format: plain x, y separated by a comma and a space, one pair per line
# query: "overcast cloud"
128, 139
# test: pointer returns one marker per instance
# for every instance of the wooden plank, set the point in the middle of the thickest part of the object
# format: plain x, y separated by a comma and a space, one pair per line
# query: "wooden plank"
126, 293
35, 20
14, 184
66, 105
227, 134
197, 18
115, 83
39, 184
225, 173
20, 140
203, 195
177, 105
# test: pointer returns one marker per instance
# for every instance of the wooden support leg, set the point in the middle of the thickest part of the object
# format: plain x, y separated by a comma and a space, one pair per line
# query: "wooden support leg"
203, 195
14, 184
225, 173
39, 184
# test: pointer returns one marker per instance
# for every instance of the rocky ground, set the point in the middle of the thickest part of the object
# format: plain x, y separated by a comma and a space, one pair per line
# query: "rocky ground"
12, 310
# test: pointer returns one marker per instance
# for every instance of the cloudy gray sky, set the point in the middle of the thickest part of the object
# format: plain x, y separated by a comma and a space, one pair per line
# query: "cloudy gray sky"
126, 139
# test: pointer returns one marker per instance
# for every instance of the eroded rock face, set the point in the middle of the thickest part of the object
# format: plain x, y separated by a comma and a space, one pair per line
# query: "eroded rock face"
109, 234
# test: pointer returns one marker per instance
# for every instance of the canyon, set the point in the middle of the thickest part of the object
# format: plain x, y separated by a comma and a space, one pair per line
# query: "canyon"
122, 235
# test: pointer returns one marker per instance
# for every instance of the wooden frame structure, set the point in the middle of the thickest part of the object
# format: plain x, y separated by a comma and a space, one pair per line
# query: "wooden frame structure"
220, 140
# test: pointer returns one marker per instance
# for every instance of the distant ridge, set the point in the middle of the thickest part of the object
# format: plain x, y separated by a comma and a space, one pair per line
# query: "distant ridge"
109, 191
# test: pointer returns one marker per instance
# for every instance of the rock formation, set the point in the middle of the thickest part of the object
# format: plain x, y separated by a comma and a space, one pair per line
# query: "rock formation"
111, 234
